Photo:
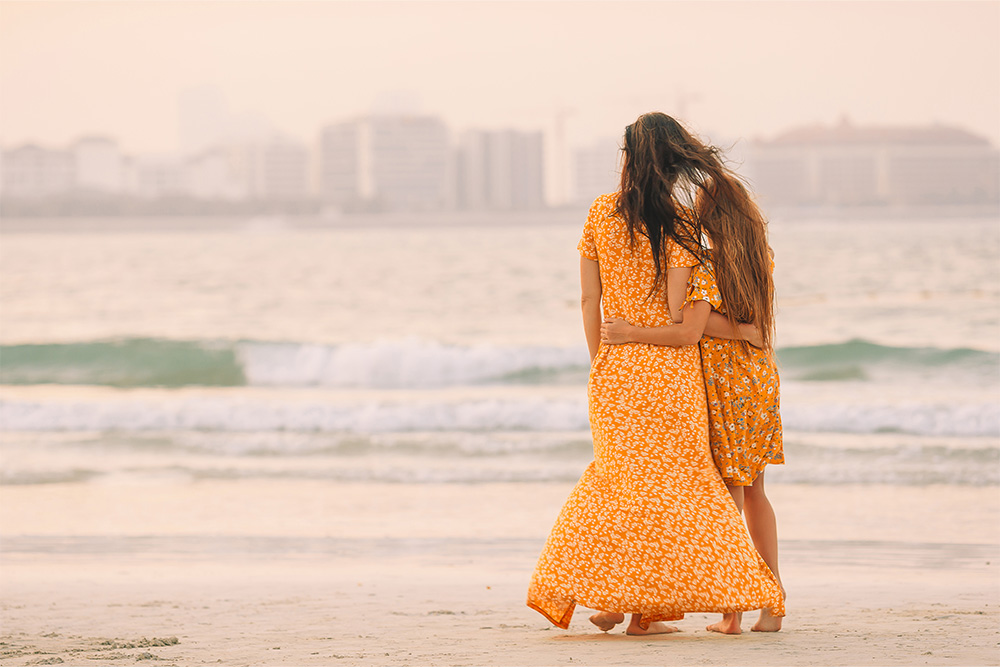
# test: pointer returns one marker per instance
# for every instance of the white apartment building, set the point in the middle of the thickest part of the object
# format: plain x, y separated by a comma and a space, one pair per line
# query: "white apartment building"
499, 170
272, 170
32, 172
98, 166
157, 177
848, 165
388, 162
214, 175
280, 170
92, 165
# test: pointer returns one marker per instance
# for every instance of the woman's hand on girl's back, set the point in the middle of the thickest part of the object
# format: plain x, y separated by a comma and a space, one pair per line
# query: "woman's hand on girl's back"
615, 331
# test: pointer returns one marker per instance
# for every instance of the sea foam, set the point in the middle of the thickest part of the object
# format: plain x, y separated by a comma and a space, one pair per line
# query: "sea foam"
430, 412
420, 364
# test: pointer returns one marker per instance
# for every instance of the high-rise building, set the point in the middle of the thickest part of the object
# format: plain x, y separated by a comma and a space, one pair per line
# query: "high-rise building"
527, 169
408, 162
499, 170
385, 162
340, 165
595, 170
471, 175
848, 165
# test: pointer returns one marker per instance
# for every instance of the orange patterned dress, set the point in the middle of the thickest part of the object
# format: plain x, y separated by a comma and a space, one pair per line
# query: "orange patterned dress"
650, 528
744, 422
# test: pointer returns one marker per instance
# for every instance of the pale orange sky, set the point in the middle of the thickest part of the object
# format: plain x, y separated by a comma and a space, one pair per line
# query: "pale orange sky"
116, 68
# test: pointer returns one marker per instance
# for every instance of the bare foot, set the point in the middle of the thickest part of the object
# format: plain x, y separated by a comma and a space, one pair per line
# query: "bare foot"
767, 622
656, 628
606, 620
729, 625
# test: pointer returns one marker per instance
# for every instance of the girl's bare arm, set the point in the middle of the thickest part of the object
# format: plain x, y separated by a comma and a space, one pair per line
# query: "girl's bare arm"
615, 330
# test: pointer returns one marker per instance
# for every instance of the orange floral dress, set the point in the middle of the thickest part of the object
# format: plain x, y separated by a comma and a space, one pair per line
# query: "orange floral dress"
650, 528
744, 422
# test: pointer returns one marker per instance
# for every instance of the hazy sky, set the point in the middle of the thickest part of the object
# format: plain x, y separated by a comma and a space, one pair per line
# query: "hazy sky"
747, 68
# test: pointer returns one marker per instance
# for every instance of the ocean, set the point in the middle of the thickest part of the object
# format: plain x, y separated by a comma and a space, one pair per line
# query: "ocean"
442, 354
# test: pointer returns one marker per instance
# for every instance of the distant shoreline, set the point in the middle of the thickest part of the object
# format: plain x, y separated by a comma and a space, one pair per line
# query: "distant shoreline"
269, 223
570, 216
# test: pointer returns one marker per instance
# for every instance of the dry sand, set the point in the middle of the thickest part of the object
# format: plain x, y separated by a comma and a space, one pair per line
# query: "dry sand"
315, 573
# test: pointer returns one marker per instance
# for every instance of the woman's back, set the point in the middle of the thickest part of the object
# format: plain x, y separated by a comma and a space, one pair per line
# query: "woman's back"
628, 271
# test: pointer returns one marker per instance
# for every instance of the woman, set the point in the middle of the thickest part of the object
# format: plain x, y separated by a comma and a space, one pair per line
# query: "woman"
649, 530
741, 381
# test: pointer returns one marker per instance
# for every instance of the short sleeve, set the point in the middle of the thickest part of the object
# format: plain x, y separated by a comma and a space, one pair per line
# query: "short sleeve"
702, 286
588, 245
679, 257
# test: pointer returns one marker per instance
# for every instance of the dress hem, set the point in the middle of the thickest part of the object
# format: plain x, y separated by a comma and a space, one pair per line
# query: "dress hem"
648, 618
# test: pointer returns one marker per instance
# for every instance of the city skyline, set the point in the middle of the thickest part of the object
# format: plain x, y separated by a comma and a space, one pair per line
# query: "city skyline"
403, 162
577, 71
377, 163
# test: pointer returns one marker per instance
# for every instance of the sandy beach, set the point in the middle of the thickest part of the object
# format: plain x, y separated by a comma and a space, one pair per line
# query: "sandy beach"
295, 300
283, 573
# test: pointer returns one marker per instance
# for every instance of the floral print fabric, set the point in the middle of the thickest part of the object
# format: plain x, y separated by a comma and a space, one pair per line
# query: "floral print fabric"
744, 421
650, 528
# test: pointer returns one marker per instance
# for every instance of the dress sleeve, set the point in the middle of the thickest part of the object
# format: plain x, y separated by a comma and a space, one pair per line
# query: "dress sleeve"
679, 257
587, 245
702, 286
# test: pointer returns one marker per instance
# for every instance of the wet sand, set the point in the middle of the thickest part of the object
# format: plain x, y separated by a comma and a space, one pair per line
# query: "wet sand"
271, 572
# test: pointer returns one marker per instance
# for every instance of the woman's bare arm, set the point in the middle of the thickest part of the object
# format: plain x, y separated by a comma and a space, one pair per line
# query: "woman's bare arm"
590, 303
615, 330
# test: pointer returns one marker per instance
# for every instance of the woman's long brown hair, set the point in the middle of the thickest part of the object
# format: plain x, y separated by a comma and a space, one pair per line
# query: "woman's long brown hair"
663, 165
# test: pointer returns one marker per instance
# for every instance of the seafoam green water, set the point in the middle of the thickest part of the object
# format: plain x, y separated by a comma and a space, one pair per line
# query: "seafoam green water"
146, 362
444, 354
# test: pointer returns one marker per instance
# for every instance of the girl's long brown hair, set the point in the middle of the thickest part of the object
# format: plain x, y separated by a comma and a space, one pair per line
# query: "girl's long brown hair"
663, 165
740, 253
